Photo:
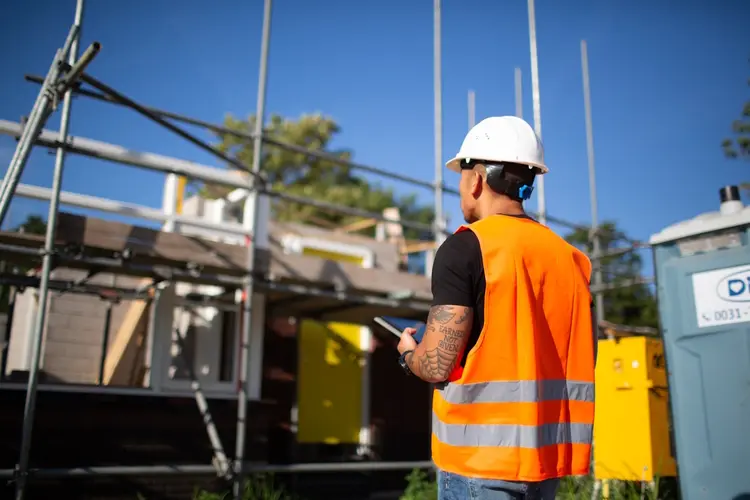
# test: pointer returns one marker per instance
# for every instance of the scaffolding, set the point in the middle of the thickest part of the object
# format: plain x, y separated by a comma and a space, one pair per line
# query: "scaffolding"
65, 78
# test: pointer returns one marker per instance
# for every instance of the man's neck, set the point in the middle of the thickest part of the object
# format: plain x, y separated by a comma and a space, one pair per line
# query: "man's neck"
501, 207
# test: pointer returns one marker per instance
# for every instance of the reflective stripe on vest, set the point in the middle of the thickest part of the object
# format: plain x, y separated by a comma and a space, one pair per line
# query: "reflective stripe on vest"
521, 407
516, 436
517, 391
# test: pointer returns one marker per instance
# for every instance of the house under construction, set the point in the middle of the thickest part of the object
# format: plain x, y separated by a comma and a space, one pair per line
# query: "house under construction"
139, 323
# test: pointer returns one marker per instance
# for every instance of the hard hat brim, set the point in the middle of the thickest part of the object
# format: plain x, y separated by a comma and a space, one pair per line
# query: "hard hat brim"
455, 165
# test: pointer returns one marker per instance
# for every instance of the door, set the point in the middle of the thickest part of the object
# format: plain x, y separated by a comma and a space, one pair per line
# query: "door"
705, 310
333, 383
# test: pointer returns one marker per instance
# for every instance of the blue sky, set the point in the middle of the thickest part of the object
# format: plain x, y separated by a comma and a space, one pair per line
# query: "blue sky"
667, 81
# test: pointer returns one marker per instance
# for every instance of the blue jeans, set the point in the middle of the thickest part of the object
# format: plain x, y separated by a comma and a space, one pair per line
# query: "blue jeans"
454, 487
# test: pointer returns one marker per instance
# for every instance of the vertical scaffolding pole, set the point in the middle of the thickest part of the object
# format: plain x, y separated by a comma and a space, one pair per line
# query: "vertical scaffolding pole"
541, 202
250, 222
49, 246
519, 94
472, 109
592, 182
437, 81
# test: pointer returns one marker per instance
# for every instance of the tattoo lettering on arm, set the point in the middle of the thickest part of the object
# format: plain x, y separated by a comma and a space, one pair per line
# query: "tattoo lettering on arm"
445, 338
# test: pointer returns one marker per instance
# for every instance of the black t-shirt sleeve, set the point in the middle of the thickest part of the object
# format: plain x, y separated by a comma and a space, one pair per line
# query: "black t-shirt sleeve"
456, 269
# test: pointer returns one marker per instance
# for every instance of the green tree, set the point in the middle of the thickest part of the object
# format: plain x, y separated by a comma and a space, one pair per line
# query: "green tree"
34, 224
738, 145
628, 305
303, 175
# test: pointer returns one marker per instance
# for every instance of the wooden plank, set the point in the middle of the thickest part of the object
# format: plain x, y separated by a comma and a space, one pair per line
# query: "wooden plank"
418, 246
116, 236
345, 275
118, 365
357, 226
156, 245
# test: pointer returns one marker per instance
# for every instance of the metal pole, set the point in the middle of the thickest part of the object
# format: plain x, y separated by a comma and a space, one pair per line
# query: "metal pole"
105, 341
39, 114
148, 470
161, 121
251, 222
437, 77
541, 203
49, 247
220, 461
219, 129
472, 109
519, 94
594, 234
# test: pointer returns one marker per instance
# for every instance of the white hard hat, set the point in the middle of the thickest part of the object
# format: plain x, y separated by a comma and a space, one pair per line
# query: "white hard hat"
501, 139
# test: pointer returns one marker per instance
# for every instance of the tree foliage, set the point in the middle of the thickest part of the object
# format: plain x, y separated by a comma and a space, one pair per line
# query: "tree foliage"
311, 177
34, 224
630, 305
738, 145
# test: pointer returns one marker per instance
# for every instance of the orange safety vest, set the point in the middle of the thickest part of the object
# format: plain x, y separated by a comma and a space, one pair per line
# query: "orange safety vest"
522, 406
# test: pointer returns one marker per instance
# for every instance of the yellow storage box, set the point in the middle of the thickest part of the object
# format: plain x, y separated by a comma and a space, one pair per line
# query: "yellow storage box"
631, 429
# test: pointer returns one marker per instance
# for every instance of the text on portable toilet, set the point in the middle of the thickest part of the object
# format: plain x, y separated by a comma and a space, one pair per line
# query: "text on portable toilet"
722, 296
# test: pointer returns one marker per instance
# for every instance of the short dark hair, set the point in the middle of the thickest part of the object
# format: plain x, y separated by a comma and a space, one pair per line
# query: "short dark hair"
519, 173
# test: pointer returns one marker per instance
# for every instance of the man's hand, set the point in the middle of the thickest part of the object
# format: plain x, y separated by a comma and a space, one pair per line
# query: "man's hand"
443, 344
407, 342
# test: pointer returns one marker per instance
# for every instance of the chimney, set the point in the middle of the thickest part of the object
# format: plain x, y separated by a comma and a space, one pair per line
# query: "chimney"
730, 200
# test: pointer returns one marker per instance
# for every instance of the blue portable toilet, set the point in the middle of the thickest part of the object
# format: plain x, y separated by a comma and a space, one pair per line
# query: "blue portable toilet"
703, 288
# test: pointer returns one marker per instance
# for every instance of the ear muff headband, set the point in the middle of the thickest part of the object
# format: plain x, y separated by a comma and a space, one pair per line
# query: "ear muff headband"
515, 190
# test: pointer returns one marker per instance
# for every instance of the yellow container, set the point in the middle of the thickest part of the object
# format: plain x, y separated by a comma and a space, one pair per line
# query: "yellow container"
631, 429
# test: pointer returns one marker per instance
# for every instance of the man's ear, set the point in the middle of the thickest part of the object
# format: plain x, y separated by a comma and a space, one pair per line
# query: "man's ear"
477, 184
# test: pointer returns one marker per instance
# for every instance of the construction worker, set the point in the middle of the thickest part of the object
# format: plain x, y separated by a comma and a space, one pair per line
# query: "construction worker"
509, 341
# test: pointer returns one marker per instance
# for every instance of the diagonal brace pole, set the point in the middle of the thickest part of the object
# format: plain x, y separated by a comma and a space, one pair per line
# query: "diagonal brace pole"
220, 460
54, 87
259, 184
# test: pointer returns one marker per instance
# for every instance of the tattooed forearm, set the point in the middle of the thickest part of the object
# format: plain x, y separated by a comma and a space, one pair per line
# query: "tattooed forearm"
447, 330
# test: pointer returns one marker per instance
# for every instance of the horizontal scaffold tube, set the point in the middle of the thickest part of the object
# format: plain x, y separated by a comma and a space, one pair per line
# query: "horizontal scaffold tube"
157, 470
191, 170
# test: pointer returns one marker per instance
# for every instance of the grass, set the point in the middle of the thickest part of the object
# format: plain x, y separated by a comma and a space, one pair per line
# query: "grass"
421, 486
257, 487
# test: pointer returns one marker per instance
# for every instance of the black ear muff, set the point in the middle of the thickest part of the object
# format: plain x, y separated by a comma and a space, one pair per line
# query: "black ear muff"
515, 190
495, 179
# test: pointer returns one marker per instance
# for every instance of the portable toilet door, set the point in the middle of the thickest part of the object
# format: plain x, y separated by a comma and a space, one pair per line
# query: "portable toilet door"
703, 287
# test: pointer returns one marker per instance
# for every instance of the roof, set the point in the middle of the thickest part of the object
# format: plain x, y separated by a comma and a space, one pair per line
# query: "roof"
295, 284
705, 223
